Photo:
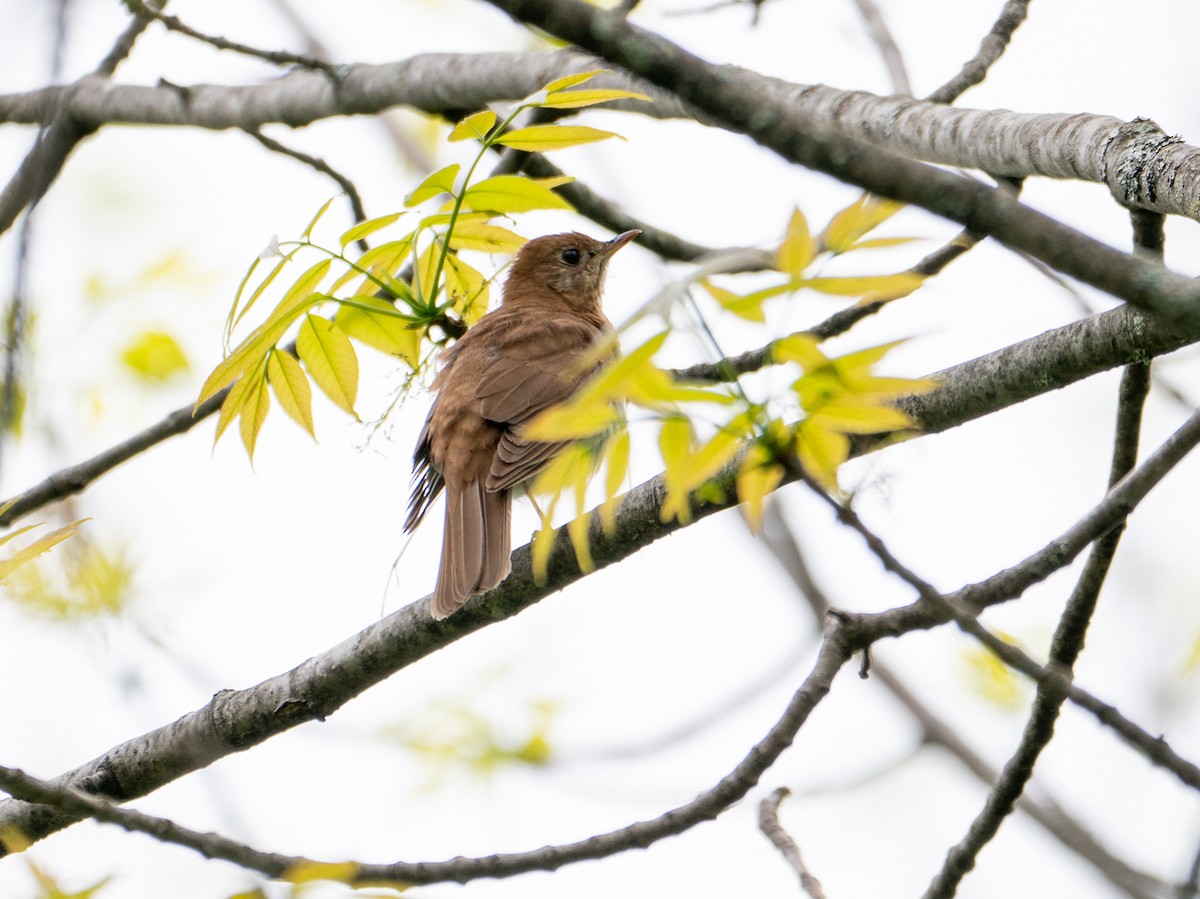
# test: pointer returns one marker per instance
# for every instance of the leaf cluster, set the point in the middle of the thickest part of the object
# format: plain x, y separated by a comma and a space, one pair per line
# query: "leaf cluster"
412, 290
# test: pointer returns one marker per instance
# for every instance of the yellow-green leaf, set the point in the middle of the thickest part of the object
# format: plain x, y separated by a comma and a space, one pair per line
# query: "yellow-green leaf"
474, 126
880, 286
467, 287
373, 322
308, 871
743, 307
860, 418
367, 228
542, 138
675, 445
860, 217
566, 81
821, 451
798, 248
757, 477
542, 544
291, 388
512, 193
578, 99
253, 349
239, 395
877, 243
330, 360
799, 347
316, 218
39, 546
377, 268
486, 238
616, 452
155, 356
571, 421
440, 182
254, 414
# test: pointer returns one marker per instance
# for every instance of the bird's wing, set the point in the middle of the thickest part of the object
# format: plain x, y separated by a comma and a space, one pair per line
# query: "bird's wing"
531, 366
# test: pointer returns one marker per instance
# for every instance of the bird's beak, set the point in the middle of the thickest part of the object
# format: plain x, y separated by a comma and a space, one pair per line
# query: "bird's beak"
619, 241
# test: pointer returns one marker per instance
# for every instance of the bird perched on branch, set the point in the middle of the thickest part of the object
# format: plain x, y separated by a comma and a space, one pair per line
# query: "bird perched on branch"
529, 354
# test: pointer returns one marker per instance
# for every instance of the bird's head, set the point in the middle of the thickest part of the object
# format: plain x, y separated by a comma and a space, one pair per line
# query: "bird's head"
570, 265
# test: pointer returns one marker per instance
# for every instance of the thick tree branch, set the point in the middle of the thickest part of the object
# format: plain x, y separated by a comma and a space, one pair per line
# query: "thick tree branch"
1139, 163
235, 721
61, 134
737, 100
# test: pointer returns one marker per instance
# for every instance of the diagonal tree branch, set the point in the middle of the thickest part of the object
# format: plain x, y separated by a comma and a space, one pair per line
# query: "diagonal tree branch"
843, 637
1138, 162
935, 731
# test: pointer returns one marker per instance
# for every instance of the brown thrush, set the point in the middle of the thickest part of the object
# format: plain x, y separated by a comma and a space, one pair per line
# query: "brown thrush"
525, 356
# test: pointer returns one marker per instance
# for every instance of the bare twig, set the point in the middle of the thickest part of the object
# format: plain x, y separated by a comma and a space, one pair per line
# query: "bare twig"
347, 186
935, 731
1065, 647
768, 823
991, 49
841, 640
893, 59
147, 13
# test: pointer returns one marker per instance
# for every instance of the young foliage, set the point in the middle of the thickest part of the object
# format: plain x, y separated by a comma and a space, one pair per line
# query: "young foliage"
744, 446
389, 297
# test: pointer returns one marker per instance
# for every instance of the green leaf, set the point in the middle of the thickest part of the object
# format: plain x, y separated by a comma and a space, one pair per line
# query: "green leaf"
291, 388
512, 193
155, 356
542, 138
370, 226
330, 360
373, 321
474, 126
579, 99
440, 182
254, 414
486, 238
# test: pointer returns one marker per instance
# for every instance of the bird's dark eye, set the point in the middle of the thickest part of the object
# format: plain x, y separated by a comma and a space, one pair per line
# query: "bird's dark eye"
570, 256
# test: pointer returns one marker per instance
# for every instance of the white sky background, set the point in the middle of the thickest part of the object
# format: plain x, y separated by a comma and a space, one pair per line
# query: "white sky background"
244, 573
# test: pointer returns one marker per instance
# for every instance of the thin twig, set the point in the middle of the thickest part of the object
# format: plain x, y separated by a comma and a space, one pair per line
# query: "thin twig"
276, 57
315, 162
841, 640
1065, 647
784, 545
768, 823
991, 49
893, 59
